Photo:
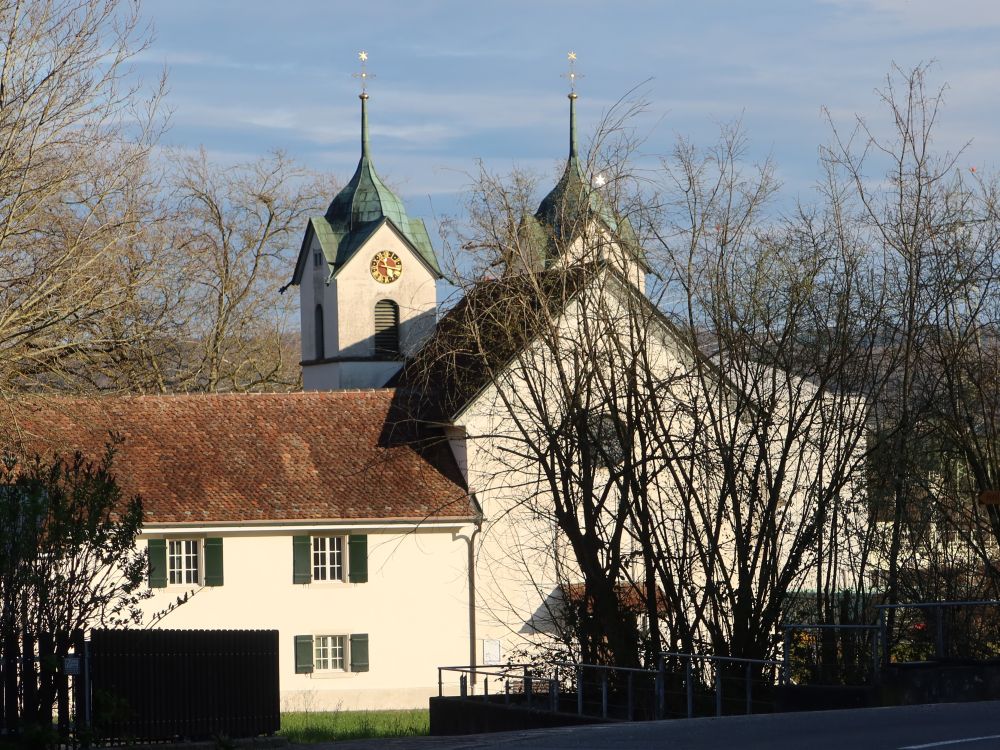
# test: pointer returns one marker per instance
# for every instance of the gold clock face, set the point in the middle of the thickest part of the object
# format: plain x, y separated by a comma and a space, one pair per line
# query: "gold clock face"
386, 267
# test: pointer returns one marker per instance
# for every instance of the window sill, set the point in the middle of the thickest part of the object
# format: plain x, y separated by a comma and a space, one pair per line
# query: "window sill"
331, 674
324, 584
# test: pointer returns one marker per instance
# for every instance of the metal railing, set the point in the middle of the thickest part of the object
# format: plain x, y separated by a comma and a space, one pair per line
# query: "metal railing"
512, 683
840, 645
624, 692
939, 630
705, 675
687, 684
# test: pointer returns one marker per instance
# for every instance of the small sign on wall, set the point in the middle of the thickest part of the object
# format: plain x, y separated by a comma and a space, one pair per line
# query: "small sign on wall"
491, 652
71, 665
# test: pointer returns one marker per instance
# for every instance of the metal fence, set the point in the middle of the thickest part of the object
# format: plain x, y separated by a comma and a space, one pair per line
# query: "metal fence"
830, 654
614, 692
42, 682
939, 631
508, 684
584, 689
704, 685
683, 685
183, 684
833, 657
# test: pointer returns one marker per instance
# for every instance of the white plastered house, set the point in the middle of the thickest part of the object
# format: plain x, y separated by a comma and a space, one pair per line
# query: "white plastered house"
299, 513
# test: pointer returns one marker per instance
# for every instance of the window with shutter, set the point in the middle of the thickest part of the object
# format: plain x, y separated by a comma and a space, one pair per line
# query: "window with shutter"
157, 563
213, 561
303, 654
330, 558
357, 558
386, 329
359, 652
331, 653
320, 343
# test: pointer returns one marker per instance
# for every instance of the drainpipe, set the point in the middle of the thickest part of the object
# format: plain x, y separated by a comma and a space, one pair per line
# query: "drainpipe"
471, 542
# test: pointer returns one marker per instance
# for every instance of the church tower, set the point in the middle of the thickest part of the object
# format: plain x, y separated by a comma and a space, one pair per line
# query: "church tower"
366, 275
575, 223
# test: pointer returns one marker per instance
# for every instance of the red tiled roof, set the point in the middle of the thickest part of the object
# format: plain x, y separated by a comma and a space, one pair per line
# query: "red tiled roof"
258, 457
631, 597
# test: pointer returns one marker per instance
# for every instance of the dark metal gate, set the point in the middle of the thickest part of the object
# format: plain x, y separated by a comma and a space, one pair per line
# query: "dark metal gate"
187, 684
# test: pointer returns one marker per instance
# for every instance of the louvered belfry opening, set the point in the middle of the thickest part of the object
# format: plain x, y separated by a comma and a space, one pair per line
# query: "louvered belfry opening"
386, 329
320, 343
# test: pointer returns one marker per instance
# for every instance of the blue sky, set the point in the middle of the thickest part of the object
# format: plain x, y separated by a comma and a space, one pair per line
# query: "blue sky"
458, 81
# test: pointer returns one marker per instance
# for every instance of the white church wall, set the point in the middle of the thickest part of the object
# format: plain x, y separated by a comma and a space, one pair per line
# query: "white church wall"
321, 377
520, 558
597, 244
414, 291
414, 609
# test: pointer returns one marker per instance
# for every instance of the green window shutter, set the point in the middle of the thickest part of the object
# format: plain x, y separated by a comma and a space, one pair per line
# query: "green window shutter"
213, 561
359, 652
301, 553
357, 558
303, 654
157, 563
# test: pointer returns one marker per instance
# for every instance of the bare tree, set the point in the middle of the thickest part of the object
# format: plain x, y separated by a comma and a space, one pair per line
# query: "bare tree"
934, 234
212, 318
118, 271
672, 466
75, 136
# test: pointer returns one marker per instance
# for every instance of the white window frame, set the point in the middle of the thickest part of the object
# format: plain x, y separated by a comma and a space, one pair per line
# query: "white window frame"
325, 648
328, 564
185, 561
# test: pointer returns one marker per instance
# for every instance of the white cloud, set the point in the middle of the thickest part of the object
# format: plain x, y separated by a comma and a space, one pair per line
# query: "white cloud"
184, 58
167, 154
927, 15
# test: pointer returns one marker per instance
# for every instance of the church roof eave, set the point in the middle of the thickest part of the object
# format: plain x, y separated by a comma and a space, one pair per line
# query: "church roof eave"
452, 370
351, 243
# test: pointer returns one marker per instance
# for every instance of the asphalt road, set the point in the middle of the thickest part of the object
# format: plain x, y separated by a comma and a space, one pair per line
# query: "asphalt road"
956, 726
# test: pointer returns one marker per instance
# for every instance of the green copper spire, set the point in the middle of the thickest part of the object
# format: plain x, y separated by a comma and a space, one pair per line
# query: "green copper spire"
364, 125
572, 126
564, 213
365, 201
363, 205
566, 208
365, 198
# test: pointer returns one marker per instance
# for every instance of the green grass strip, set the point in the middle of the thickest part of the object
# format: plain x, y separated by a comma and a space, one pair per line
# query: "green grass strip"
330, 726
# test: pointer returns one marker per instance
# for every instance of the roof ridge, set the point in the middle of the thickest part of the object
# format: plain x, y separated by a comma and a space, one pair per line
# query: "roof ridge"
97, 397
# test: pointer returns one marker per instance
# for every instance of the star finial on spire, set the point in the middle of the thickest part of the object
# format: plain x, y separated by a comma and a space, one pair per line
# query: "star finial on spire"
571, 74
363, 74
